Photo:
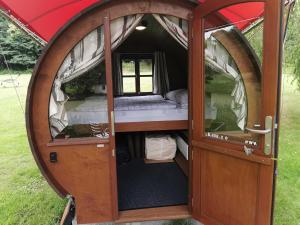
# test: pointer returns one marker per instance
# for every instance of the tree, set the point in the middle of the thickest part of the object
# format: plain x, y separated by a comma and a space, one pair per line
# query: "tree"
4, 26
20, 51
292, 47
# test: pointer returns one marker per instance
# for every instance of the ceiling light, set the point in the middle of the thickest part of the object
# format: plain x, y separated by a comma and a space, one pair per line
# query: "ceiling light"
142, 26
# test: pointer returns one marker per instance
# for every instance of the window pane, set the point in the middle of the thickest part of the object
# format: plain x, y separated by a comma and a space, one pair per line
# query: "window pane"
146, 67
129, 85
146, 84
128, 67
233, 55
84, 111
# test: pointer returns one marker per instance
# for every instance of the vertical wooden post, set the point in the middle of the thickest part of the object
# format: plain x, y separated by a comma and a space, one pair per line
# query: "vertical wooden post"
110, 107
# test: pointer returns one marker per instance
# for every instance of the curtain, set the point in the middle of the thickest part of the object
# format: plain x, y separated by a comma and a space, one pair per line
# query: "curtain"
117, 74
87, 54
161, 77
215, 55
176, 27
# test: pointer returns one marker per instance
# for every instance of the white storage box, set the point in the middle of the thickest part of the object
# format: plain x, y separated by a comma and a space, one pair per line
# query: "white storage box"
160, 147
183, 147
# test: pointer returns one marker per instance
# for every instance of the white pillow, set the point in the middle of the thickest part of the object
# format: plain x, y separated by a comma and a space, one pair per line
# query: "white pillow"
172, 94
181, 97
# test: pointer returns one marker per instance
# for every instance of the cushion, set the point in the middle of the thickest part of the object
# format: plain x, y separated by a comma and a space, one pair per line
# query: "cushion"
171, 95
181, 97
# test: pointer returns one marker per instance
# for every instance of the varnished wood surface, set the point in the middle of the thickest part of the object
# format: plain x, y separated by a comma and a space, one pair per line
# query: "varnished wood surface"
88, 173
152, 126
77, 141
228, 187
152, 214
234, 153
110, 108
182, 163
83, 170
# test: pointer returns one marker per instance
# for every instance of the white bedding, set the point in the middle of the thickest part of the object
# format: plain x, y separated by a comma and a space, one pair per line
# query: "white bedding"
127, 109
143, 103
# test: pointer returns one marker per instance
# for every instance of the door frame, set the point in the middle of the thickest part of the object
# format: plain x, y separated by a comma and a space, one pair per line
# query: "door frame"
270, 101
37, 105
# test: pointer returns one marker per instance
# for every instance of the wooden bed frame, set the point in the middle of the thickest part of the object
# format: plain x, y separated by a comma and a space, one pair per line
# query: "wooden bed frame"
152, 126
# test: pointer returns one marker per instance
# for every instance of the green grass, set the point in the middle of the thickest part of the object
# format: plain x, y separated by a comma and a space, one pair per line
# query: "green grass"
287, 211
26, 198
5, 72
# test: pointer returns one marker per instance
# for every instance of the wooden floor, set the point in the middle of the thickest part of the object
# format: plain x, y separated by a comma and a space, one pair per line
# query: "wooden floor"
162, 213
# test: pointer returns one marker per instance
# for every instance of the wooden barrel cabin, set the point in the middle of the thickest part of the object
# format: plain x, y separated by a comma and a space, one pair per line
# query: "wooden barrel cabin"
160, 109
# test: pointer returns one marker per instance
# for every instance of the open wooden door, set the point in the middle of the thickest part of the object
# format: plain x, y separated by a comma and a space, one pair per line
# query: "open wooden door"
234, 99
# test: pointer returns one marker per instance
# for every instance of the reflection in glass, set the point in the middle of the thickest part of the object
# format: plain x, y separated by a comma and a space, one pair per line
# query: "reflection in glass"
86, 107
233, 55
78, 101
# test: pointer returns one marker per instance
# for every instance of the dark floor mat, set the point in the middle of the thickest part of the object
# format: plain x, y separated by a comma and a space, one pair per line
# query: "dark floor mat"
143, 185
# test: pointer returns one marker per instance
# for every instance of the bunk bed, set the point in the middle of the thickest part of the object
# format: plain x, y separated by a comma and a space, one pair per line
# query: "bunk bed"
135, 113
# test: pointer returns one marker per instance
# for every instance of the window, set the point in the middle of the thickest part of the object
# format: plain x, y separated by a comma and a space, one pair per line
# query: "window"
137, 74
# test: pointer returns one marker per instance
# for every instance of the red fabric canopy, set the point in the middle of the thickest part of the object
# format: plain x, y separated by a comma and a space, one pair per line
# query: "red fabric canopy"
46, 17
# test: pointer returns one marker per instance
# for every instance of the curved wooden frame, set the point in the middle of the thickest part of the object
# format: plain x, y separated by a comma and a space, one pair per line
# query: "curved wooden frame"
37, 105
231, 155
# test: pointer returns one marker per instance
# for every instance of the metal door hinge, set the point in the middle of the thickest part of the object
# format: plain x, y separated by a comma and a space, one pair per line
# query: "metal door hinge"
113, 153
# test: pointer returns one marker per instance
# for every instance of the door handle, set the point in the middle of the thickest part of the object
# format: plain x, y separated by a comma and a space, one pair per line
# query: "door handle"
255, 131
112, 120
267, 132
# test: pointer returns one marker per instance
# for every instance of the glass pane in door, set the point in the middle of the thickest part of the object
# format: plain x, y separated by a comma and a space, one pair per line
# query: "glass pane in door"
233, 56
78, 103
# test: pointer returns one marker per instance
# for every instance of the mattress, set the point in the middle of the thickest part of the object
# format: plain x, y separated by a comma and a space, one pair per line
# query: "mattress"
127, 109
143, 103
151, 115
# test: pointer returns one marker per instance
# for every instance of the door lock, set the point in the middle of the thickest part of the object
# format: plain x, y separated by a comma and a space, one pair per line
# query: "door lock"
267, 132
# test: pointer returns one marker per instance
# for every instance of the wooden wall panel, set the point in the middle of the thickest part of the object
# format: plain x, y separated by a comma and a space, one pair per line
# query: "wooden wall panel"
85, 169
229, 188
226, 189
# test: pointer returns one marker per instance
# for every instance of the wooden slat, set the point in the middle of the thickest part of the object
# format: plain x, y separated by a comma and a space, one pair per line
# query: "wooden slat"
66, 212
182, 163
152, 214
77, 141
152, 126
233, 153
